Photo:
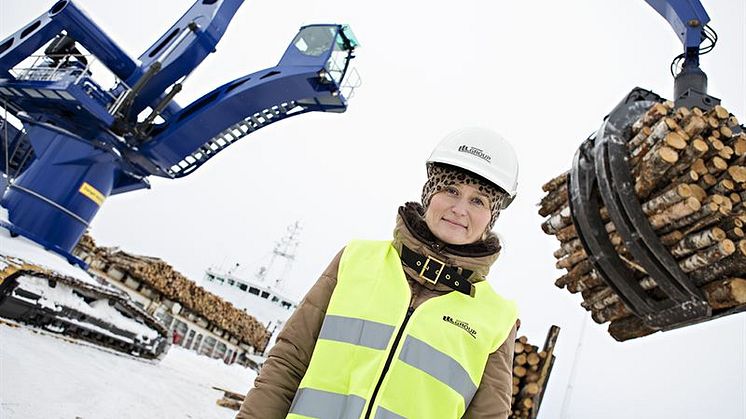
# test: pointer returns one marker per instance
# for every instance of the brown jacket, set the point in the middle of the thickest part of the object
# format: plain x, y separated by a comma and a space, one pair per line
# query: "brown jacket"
286, 364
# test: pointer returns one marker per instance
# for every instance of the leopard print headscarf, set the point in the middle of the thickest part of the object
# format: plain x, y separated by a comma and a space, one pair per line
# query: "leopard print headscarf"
439, 176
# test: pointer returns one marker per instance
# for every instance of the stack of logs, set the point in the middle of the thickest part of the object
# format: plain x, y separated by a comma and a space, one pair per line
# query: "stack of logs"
160, 276
531, 369
230, 399
689, 169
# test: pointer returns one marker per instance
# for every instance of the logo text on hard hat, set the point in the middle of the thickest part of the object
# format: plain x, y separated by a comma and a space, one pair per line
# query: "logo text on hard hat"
462, 324
475, 152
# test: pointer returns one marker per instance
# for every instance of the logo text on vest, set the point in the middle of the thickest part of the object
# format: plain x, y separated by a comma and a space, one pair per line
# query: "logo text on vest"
462, 324
476, 152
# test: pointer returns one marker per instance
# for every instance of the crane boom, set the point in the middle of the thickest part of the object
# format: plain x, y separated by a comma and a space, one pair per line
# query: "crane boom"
82, 142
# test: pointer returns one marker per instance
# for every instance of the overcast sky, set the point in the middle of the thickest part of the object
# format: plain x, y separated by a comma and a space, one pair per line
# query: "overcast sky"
543, 73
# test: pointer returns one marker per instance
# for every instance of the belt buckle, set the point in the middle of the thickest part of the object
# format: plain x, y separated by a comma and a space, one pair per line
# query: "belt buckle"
437, 271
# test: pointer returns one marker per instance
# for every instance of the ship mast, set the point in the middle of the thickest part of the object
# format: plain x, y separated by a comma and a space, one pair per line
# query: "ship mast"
285, 249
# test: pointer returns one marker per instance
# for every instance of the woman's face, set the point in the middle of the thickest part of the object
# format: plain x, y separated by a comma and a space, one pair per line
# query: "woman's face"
458, 214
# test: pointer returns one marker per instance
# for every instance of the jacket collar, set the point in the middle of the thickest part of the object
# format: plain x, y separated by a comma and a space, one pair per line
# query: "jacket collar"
412, 231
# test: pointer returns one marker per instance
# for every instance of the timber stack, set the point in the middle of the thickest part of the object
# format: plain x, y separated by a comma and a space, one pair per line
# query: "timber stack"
230, 400
689, 174
156, 275
531, 369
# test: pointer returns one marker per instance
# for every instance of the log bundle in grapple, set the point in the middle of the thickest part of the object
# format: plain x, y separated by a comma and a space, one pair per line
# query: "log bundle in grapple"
531, 369
687, 170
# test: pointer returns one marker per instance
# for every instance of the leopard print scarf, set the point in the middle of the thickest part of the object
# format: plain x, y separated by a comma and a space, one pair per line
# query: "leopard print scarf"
440, 176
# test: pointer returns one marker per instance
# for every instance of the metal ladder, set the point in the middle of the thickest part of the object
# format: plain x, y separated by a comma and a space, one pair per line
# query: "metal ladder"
20, 154
232, 134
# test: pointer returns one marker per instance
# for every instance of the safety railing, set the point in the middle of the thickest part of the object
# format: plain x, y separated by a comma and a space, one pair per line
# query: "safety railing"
52, 68
347, 81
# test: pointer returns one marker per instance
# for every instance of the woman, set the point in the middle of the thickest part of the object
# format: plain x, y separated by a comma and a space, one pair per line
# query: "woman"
408, 328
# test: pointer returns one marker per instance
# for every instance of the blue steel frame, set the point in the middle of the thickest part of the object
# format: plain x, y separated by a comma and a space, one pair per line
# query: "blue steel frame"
686, 17
88, 143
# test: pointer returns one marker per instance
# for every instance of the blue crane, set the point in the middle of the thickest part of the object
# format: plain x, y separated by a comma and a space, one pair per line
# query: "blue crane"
80, 142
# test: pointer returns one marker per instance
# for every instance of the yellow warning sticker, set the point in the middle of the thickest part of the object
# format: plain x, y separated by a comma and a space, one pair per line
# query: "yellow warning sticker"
92, 193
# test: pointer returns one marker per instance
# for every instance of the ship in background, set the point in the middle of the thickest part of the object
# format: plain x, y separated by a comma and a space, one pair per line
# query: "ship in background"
264, 294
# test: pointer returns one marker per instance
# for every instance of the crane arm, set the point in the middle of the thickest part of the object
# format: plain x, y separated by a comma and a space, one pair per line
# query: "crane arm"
182, 48
686, 17
308, 78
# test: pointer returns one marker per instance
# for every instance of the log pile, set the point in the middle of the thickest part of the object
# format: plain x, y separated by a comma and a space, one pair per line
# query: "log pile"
689, 173
174, 286
531, 369
230, 400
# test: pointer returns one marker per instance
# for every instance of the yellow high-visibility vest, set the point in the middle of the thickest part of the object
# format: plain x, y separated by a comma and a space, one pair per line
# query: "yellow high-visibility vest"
377, 358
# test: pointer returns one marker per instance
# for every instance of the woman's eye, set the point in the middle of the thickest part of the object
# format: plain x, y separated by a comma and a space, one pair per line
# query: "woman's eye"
478, 202
451, 190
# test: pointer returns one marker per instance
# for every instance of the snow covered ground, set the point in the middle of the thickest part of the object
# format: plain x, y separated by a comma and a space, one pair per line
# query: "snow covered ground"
42, 376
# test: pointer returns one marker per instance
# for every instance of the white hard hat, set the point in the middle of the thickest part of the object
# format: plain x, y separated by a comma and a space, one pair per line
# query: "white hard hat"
482, 152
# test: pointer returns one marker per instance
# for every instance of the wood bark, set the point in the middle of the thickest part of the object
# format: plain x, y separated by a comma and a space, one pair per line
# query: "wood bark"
726, 293
576, 272
655, 113
666, 199
735, 234
708, 221
629, 328
671, 238
675, 212
699, 167
723, 187
698, 241
708, 256
658, 132
707, 181
716, 165
610, 313
586, 282
694, 126
566, 234
555, 183
639, 138
553, 201
557, 221
652, 169
708, 208
571, 260
567, 248
733, 265
726, 153
694, 150
720, 113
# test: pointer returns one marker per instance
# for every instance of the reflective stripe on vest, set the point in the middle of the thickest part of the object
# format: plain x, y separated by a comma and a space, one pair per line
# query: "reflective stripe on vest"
323, 404
436, 365
382, 413
356, 331
442, 367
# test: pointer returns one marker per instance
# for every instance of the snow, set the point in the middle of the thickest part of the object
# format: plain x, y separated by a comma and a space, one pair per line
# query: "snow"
44, 376
62, 295
92, 328
30, 252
